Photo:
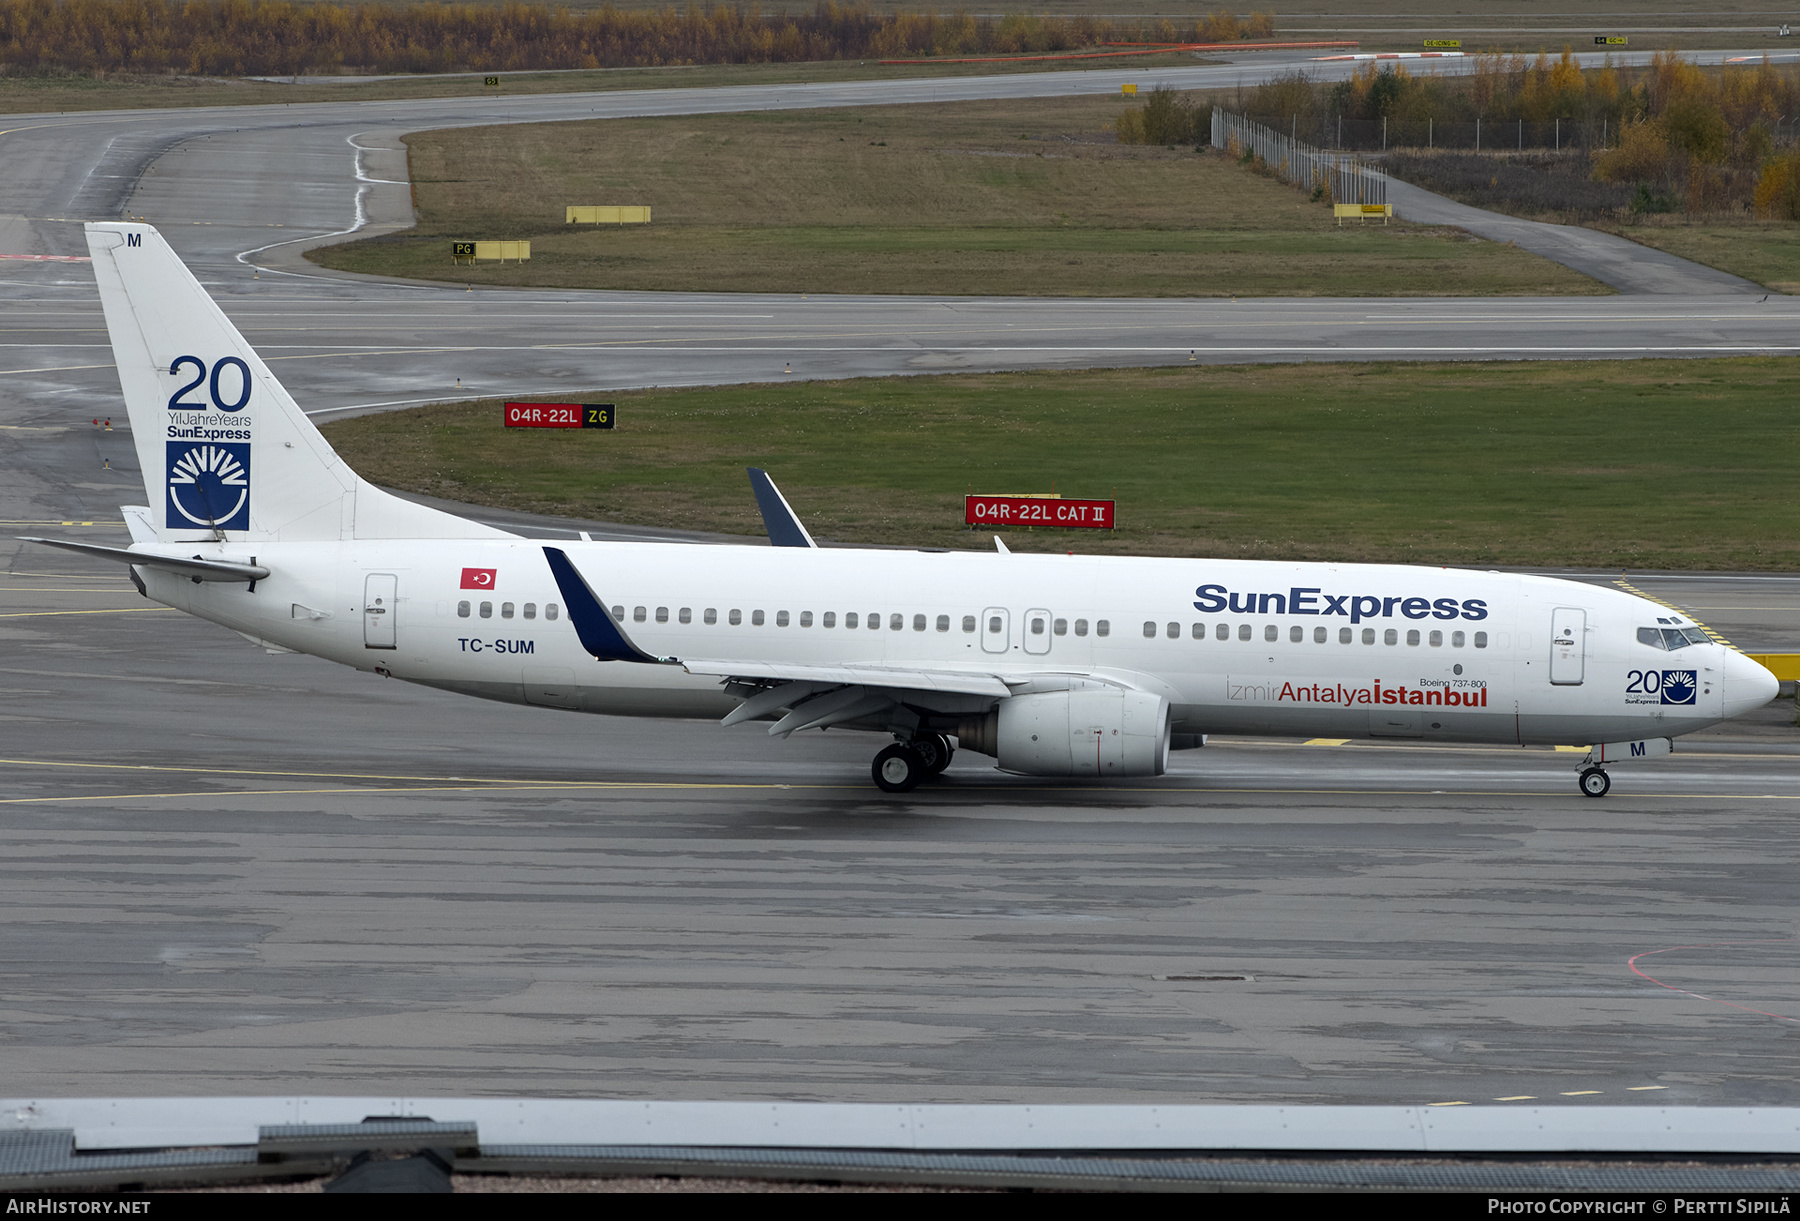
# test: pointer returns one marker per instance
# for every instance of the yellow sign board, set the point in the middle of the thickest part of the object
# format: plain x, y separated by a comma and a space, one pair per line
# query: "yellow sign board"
1444, 44
1785, 666
580, 214
516, 252
1129, 91
1361, 211
1611, 40
492, 82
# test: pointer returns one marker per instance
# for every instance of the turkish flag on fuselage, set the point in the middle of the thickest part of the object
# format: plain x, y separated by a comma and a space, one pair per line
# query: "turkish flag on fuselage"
479, 578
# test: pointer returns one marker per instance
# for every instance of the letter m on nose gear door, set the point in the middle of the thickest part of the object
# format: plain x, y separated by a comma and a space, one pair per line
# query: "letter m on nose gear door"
1568, 646
378, 610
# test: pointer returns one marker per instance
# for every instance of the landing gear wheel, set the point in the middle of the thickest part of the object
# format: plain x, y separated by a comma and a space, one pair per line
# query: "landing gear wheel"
1595, 783
898, 769
935, 751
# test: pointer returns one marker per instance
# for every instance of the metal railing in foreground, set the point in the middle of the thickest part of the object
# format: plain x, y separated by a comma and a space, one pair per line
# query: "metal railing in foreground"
1347, 179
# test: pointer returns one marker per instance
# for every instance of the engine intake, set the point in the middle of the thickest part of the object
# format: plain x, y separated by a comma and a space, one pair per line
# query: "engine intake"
1090, 730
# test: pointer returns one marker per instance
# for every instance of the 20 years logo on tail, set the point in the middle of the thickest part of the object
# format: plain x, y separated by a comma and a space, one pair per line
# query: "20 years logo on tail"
209, 486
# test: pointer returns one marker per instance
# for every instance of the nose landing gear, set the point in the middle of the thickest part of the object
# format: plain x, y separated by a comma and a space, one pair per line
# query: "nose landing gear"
1594, 782
902, 767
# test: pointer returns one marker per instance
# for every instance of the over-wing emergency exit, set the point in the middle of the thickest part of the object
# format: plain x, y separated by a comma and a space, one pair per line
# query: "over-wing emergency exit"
1053, 665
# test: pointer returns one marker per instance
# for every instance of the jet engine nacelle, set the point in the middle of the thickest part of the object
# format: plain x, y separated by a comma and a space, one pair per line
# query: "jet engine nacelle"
1090, 730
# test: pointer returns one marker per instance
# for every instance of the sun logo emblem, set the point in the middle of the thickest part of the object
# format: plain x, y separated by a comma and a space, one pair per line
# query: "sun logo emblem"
209, 486
1678, 686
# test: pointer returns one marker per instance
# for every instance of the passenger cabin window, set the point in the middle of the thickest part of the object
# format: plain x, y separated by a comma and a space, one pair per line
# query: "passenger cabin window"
1318, 635
506, 610
1271, 633
829, 619
531, 610
849, 619
1081, 627
943, 623
1199, 632
805, 618
662, 614
1345, 635
1391, 636
1368, 635
549, 610
487, 610
875, 621
896, 623
1060, 627
639, 614
1173, 631
993, 625
1039, 625
711, 616
1222, 632
1456, 640
918, 623
462, 610
1296, 634
687, 614
1149, 629
781, 618
1243, 631
736, 617
1103, 627
1436, 640
756, 618
1481, 640
619, 614
968, 623
1412, 637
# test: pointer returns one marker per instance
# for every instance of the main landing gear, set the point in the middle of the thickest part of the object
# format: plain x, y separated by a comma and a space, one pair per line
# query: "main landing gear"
904, 766
1594, 782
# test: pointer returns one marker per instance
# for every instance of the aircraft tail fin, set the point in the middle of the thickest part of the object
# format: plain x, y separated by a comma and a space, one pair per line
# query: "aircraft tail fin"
226, 453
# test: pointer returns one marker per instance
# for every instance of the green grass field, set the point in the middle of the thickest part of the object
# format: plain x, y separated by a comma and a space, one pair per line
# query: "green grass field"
978, 198
1641, 464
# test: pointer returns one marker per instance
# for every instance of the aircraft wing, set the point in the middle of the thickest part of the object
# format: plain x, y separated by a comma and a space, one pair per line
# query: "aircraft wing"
894, 677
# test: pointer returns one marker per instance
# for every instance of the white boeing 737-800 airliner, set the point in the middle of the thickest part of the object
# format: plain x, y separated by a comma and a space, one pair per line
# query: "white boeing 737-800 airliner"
1056, 665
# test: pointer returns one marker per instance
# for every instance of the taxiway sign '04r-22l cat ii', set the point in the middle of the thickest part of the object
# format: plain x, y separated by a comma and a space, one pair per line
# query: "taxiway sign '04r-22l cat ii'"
1055, 665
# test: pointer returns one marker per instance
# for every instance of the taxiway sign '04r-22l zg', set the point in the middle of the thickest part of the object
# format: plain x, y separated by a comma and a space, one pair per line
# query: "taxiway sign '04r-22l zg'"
1055, 665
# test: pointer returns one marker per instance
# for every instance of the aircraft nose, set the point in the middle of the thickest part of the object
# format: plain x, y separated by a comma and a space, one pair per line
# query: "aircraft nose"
1748, 685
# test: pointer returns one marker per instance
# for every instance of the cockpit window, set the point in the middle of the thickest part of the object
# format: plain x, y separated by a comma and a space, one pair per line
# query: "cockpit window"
1671, 638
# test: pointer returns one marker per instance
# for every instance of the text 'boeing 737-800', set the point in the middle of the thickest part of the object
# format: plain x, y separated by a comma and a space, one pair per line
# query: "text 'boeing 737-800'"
1055, 665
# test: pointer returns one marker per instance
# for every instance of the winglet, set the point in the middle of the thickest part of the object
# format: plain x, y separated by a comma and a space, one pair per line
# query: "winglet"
779, 518
598, 633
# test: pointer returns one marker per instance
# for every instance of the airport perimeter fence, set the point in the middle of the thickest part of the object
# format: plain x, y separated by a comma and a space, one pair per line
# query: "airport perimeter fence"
1346, 178
1336, 133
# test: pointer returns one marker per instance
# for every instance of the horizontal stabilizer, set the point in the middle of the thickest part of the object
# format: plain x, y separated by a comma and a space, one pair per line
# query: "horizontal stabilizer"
197, 568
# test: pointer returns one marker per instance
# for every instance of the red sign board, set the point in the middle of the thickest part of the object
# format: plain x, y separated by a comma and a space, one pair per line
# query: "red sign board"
559, 415
1038, 511
479, 578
